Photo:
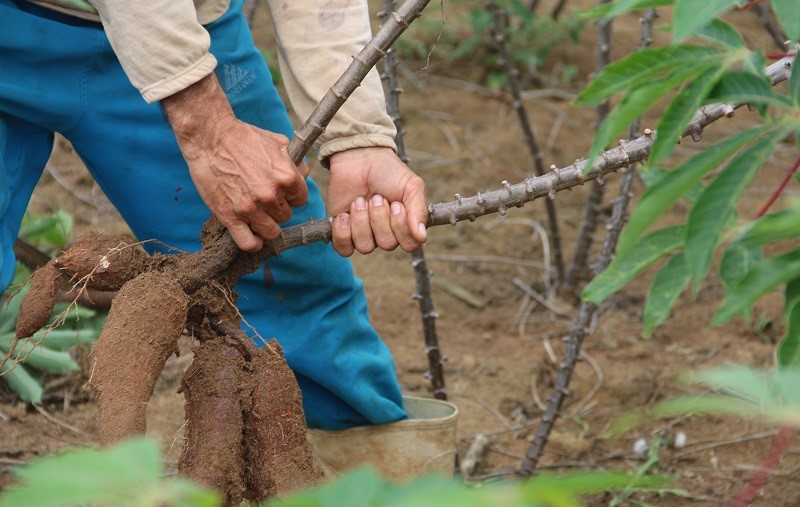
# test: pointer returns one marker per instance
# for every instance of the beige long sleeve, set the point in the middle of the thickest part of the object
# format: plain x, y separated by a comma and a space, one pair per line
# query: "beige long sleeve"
316, 42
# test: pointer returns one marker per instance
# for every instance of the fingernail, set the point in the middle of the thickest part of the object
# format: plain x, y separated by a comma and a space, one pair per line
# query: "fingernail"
344, 220
396, 208
377, 200
361, 204
423, 231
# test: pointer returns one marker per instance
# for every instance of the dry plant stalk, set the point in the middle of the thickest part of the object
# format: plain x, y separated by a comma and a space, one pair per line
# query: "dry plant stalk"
499, 22
594, 202
422, 276
587, 310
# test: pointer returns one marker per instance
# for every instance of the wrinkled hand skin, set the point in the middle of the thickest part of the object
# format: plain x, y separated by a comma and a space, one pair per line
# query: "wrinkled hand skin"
244, 174
376, 201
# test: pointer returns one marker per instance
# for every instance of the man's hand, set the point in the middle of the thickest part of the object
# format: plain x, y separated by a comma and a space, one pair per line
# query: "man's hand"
376, 200
243, 173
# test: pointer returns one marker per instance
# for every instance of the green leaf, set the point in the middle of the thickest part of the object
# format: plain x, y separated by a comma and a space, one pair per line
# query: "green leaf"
736, 262
778, 226
624, 267
667, 287
788, 351
765, 276
690, 404
755, 63
30, 353
614, 9
722, 34
788, 15
717, 203
22, 382
643, 66
666, 191
690, 15
63, 339
632, 106
740, 86
52, 230
680, 111
10, 309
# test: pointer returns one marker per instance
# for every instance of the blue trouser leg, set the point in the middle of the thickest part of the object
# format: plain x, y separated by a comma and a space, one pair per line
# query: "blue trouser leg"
308, 298
24, 149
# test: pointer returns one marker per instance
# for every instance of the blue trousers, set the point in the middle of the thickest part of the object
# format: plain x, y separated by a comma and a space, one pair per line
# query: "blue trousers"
59, 74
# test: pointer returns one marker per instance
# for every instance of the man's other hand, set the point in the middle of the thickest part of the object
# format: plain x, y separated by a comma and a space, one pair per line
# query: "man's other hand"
376, 201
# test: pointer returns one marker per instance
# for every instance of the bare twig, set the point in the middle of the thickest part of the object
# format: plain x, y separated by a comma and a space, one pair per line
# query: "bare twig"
587, 310
29, 255
557, 9
498, 29
423, 294
591, 212
249, 11
765, 16
472, 459
55, 421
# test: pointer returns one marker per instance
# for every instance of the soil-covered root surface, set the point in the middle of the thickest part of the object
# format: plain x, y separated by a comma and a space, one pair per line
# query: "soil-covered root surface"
105, 261
279, 457
145, 321
214, 451
38, 303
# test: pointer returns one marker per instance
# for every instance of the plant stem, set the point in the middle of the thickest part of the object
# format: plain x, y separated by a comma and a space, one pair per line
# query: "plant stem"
587, 310
422, 276
557, 9
778, 191
779, 445
591, 212
765, 16
499, 17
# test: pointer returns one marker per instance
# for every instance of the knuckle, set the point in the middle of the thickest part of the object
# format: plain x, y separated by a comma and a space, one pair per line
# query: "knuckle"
245, 208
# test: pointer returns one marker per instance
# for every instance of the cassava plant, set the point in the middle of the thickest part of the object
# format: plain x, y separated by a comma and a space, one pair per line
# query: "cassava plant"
758, 254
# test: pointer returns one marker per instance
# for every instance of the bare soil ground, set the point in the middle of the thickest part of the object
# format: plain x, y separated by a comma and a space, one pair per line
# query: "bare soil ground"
502, 354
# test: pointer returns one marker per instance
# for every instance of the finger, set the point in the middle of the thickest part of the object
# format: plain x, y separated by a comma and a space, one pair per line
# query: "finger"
292, 183
265, 226
363, 240
416, 208
400, 228
380, 220
243, 236
304, 170
278, 210
342, 239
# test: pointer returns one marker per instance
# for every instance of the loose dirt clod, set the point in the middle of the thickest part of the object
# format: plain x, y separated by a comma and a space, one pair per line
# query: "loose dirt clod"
279, 457
38, 303
145, 321
214, 452
106, 261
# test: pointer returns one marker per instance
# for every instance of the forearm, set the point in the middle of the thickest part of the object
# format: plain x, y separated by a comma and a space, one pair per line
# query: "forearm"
194, 111
316, 43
